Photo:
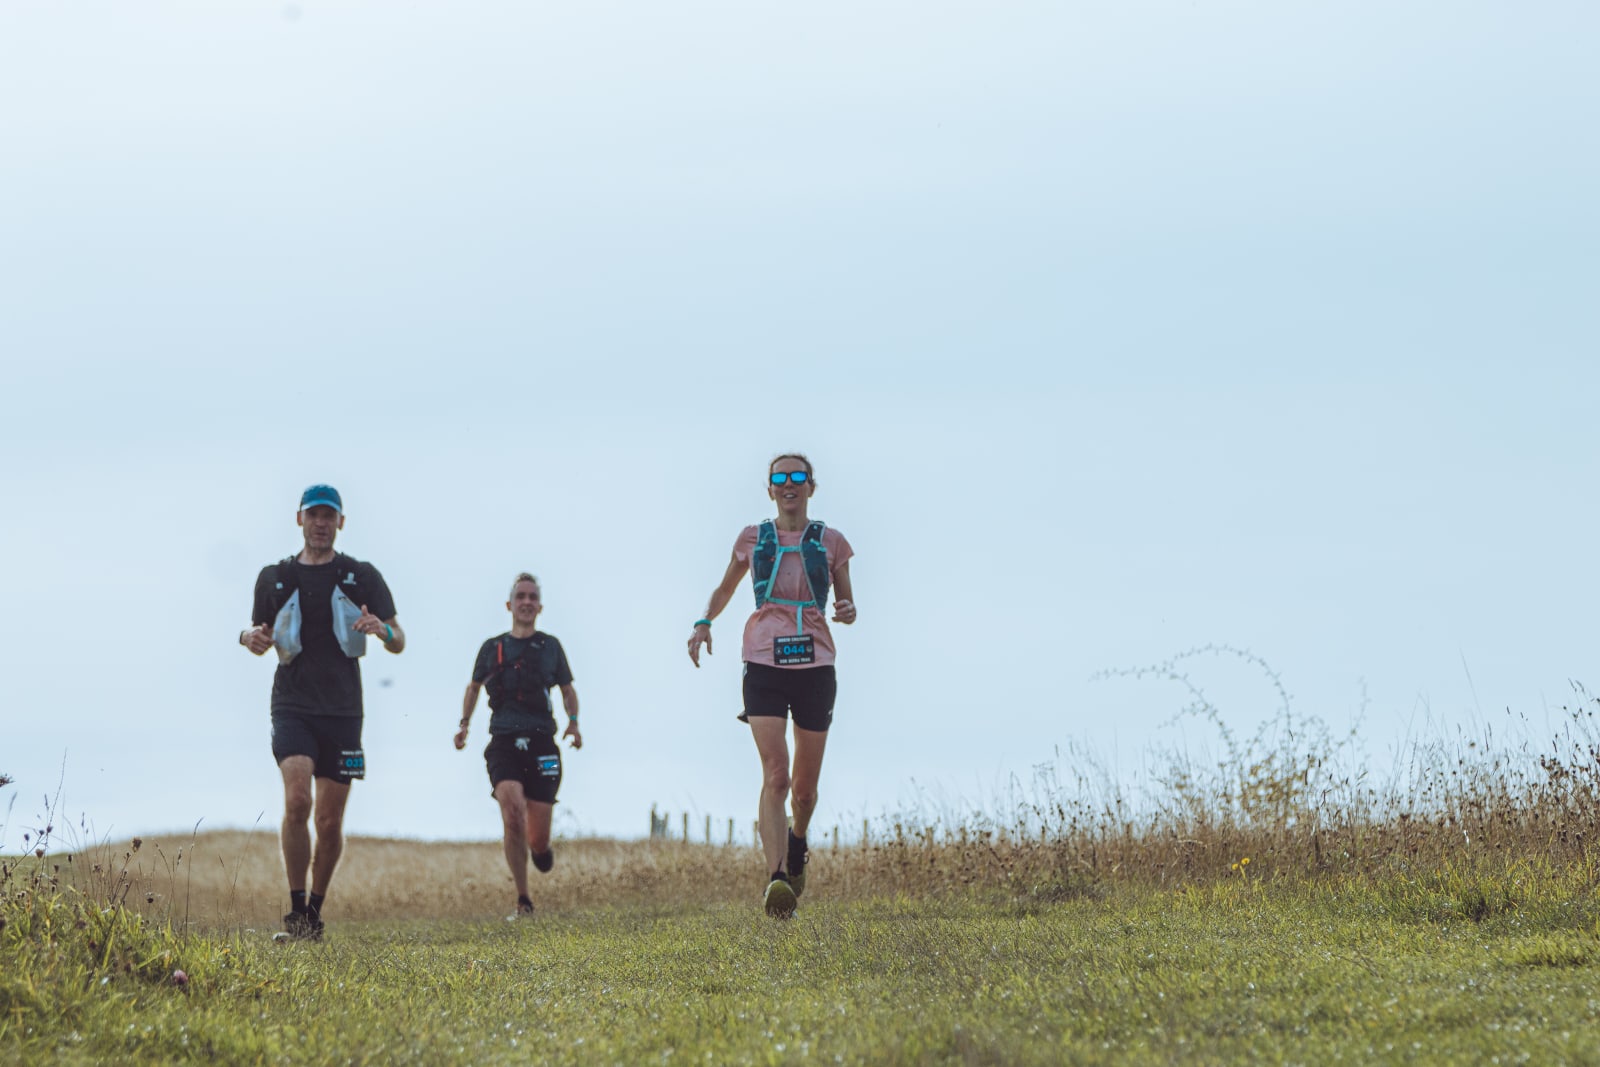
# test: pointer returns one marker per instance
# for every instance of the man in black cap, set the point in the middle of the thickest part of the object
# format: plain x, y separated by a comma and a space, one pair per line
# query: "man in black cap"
317, 608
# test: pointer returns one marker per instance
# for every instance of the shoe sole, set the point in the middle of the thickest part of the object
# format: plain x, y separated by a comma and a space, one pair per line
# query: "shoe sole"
780, 899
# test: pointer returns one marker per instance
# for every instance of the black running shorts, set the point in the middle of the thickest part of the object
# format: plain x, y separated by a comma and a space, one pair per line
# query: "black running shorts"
805, 692
332, 741
532, 759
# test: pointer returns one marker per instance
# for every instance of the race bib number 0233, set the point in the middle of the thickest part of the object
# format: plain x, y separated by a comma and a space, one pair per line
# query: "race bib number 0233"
794, 650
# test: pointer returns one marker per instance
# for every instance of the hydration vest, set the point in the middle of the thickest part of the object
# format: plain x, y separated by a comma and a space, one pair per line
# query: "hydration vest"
813, 556
522, 678
348, 595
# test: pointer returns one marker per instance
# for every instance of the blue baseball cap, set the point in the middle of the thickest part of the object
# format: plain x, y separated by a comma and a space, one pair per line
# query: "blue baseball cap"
321, 496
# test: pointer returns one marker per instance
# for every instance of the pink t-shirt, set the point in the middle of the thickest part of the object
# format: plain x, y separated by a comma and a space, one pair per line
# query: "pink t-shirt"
771, 621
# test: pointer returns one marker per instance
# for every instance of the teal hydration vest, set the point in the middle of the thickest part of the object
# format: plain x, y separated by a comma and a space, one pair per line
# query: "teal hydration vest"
813, 556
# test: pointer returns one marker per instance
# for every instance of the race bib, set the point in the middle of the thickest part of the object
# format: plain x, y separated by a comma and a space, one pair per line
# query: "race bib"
352, 764
794, 649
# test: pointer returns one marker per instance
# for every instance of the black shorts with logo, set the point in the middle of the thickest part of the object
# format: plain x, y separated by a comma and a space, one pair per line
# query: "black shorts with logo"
806, 692
332, 741
533, 759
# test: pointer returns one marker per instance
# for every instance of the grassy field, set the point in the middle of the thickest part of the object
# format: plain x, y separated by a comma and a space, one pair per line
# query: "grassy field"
658, 953
1269, 907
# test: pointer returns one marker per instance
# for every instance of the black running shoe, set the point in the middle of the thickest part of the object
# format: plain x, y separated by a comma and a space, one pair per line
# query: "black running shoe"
302, 926
799, 856
524, 910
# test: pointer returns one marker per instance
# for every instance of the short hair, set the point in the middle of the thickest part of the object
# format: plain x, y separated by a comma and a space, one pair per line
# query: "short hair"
524, 576
793, 455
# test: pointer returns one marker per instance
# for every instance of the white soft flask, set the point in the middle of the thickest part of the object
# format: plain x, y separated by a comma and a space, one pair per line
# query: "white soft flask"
286, 629
345, 616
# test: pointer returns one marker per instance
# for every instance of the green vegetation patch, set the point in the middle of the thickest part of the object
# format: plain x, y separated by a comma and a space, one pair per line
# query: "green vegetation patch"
1235, 971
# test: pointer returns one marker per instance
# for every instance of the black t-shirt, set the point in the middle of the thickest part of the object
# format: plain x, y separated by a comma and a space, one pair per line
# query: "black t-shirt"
518, 672
321, 680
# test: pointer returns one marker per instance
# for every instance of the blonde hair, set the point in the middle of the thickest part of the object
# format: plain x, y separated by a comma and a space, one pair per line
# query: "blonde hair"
810, 474
524, 576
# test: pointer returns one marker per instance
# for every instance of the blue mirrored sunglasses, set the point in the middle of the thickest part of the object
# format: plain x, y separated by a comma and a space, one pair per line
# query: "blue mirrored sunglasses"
781, 477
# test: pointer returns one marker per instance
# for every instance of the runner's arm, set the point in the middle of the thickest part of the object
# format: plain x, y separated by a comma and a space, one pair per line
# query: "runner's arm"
396, 644
259, 637
844, 605
569, 700
469, 703
719, 600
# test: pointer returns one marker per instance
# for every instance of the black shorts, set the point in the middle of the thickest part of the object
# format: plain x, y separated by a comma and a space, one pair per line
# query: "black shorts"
532, 759
806, 692
332, 741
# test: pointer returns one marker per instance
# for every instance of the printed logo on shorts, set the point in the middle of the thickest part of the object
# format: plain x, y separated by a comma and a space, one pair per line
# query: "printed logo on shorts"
549, 766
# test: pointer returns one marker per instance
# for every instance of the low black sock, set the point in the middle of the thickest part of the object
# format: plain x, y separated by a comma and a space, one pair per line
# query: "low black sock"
524, 904
778, 876
544, 860
297, 900
314, 904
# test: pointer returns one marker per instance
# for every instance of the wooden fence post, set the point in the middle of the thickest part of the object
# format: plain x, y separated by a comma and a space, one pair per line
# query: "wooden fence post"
686, 826
730, 832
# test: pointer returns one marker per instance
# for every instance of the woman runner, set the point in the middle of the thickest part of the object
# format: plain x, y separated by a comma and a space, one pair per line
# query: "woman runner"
788, 661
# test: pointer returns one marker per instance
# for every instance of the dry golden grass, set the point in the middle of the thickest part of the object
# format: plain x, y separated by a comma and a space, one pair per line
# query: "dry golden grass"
235, 878
232, 879
1293, 803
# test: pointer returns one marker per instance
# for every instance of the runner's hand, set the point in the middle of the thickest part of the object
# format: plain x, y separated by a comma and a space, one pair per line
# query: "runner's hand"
369, 623
844, 611
461, 738
572, 732
701, 635
258, 639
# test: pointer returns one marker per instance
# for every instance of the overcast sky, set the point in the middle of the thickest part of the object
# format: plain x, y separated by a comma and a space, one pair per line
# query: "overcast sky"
1112, 329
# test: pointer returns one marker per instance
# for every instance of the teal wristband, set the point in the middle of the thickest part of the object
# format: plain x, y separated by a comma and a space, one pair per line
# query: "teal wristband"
703, 622
390, 630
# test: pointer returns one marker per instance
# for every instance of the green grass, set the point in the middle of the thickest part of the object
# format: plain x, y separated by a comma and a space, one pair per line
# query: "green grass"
1451, 966
1447, 916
